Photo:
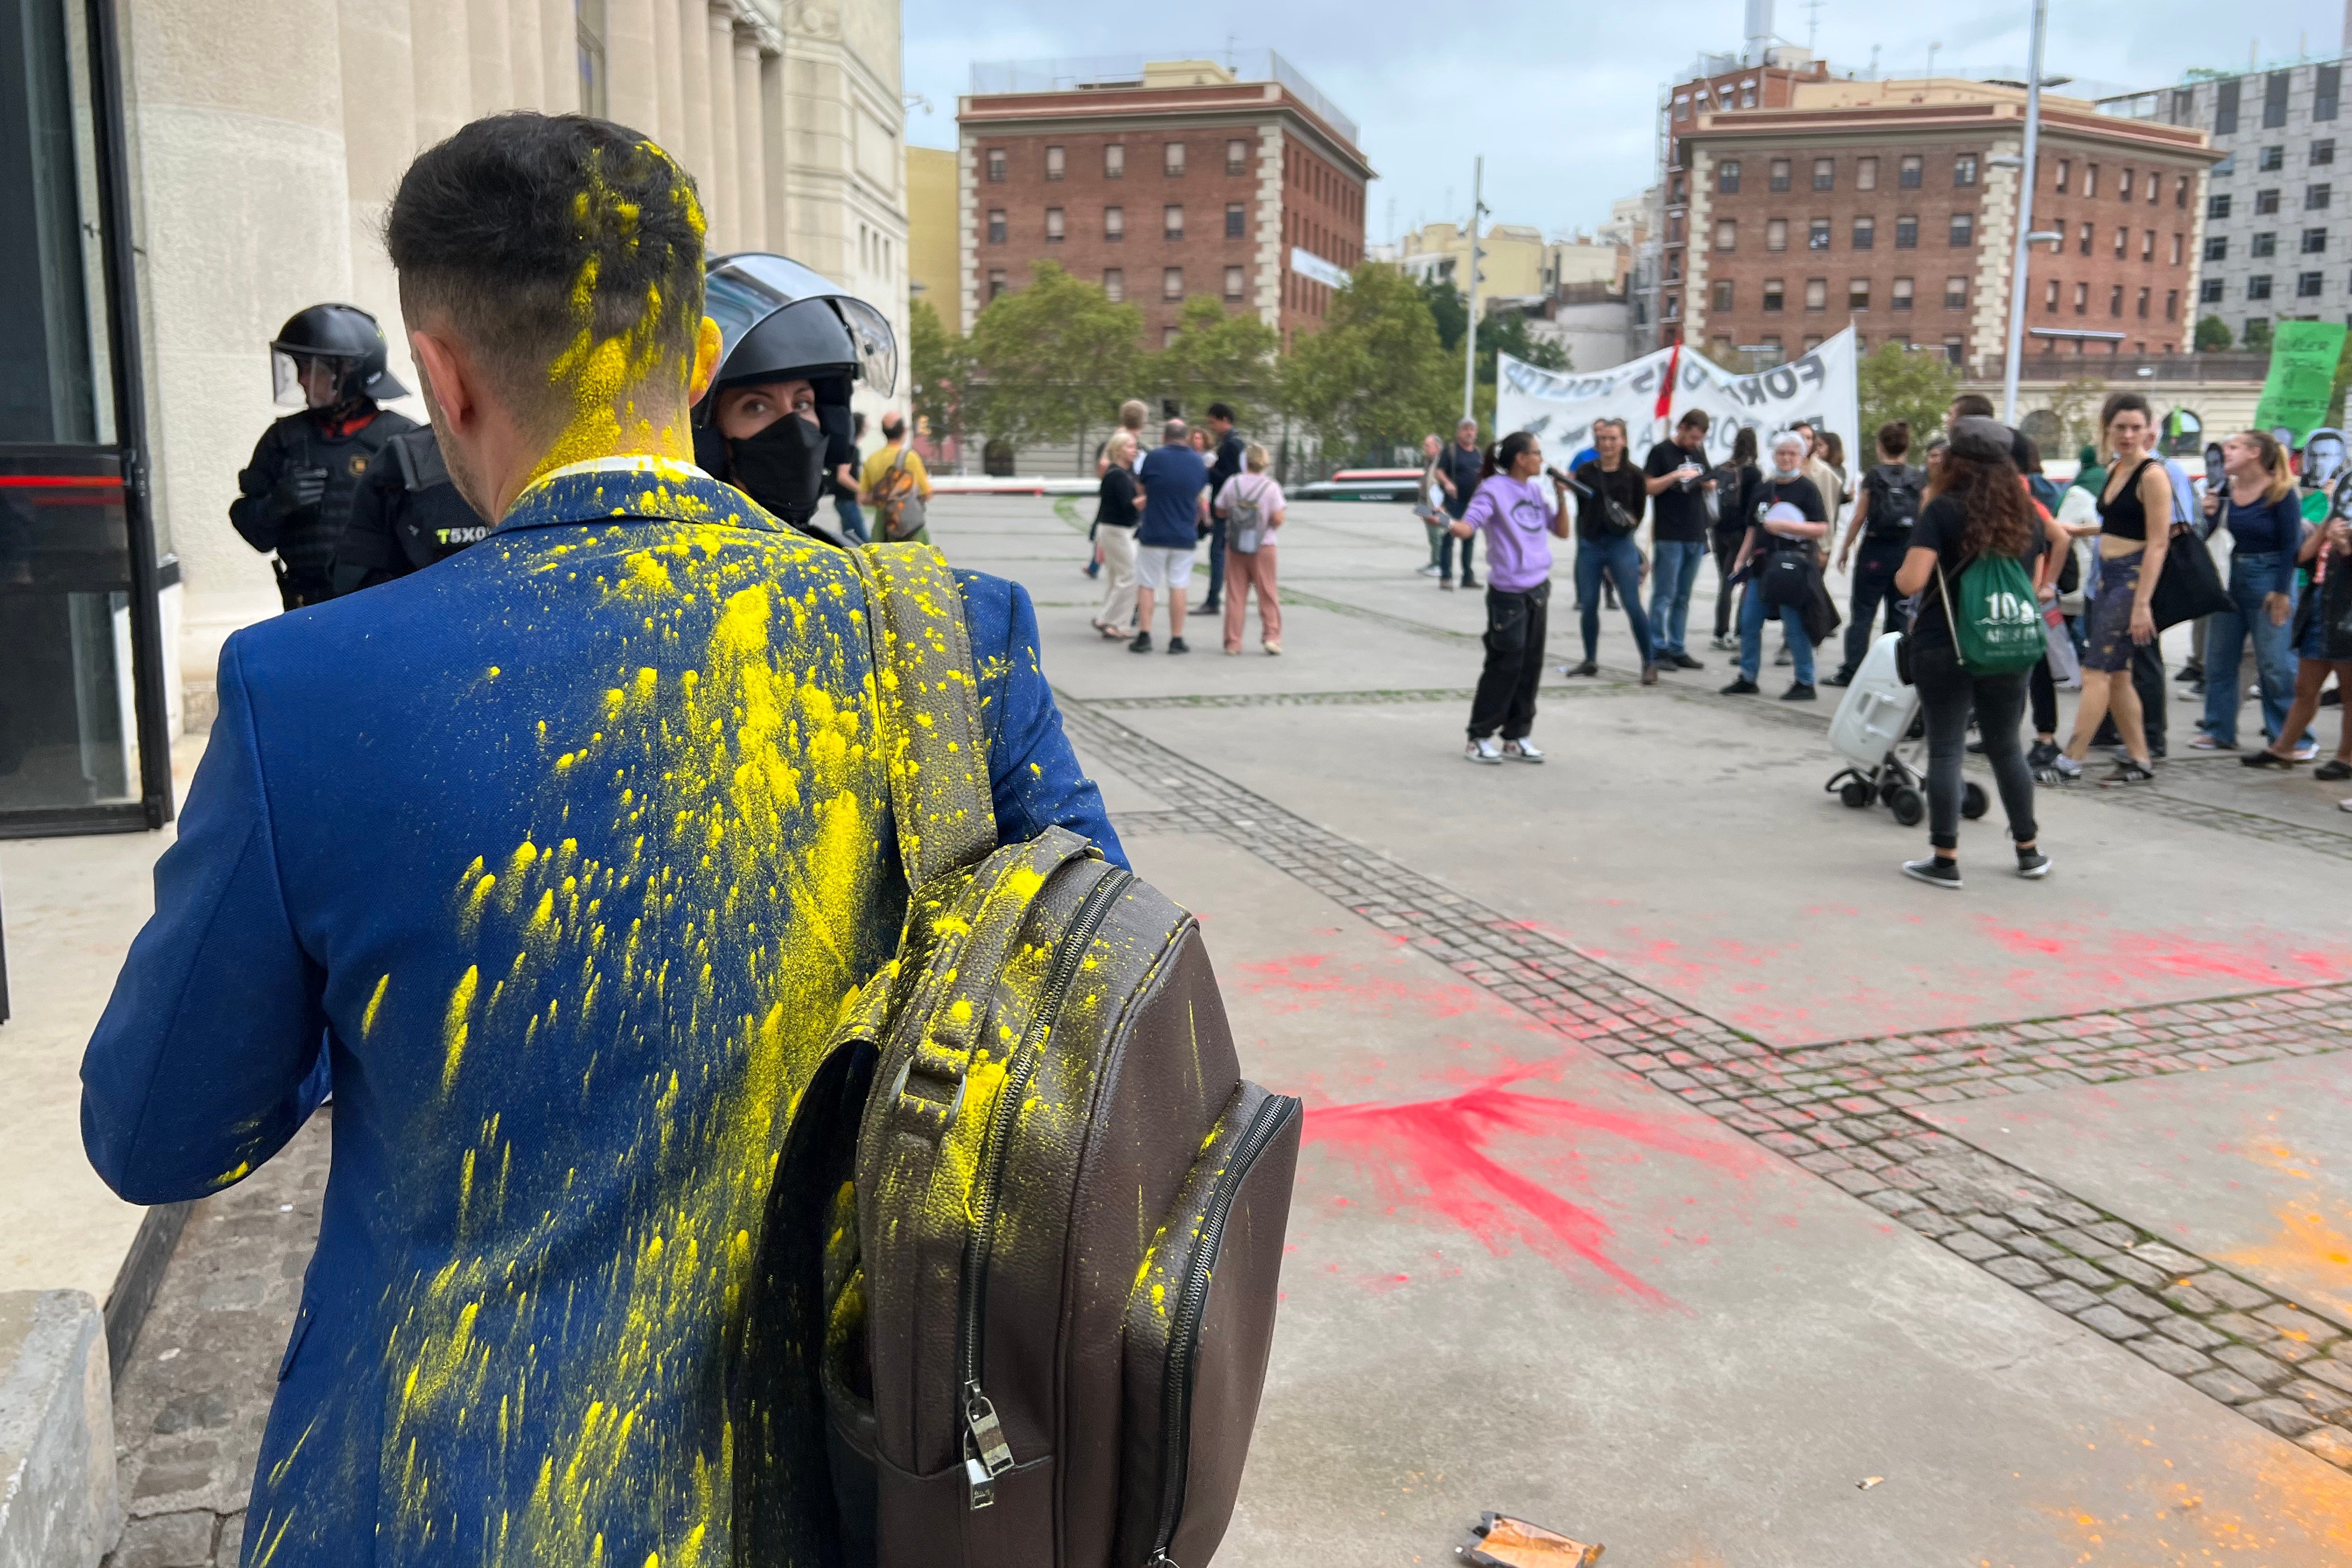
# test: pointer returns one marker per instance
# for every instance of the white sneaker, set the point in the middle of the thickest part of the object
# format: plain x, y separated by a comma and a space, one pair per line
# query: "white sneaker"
2306, 749
1485, 749
1428, 571
1522, 751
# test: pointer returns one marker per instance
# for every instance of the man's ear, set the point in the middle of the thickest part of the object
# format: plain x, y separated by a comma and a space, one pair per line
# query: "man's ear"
448, 385
706, 361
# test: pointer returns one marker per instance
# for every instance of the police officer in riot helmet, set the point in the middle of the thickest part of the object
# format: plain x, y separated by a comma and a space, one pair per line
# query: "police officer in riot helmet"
295, 497
776, 421
407, 514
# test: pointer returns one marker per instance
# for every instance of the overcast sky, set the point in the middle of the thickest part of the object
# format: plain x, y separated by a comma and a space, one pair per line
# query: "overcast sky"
1566, 116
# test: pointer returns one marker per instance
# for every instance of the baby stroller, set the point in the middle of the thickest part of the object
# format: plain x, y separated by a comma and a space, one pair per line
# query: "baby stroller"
1879, 732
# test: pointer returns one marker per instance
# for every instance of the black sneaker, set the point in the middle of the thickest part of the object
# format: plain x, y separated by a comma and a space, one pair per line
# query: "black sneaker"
1143, 643
1741, 688
1468, 581
2190, 673
1176, 645
1843, 677
2044, 754
2033, 865
2265, 758
1685, 661
1934, 870
1976, 748
1586, 668
1798, 692
2128, 773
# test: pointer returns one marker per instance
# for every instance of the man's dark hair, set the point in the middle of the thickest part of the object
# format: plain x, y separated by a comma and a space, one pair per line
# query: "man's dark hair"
543, 237
1971, 405
1695, 420
1223, 411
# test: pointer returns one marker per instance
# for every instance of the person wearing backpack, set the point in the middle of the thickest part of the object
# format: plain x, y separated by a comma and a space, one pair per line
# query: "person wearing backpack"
1251, 505
897, 485
1976, 556
1882, 521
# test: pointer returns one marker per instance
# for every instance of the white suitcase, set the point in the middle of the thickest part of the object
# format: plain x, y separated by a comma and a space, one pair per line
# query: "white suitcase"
1878, 710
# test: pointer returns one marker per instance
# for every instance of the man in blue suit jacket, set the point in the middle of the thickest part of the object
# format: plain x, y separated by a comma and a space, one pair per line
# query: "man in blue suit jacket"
567, 851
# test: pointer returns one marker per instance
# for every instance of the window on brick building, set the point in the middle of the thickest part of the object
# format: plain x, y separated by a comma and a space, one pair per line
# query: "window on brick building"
1857, 294
1817, 233
1776, 173
2172, 304
1168, 336
1723, 294
1237, 156
1774, 293
2148, 245
1813, 341
1906, 233
2090, 179
1727, 234
1770, 345
1865, 173
996, 165
1956, 293
2083, 240
1899, 294
1234, 282
2179, 244
1114, 223
1171, 283
2050, 297
1963, 229
1727, 177
1053, 225
1776, 234
1956, 350
1115, 162
1236, 220
2065, 172
2115, 301
1114, 284
1825, 173
1171, 221
1964, 169
1910, 171
997, 226
1054, 166
995, 281
2180, 193
1171, 158
1865, 232
2140, 308
2082, 298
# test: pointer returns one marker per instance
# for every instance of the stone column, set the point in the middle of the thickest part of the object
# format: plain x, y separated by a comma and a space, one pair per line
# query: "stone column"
722, 187
248, 215
750, 152
485, 31
443, 74
525, 64
379, 138
694, 57
558, 55
630, 95
669, 80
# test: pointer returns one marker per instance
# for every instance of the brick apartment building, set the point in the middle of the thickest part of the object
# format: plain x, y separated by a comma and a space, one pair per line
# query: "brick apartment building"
1162, 182
1892, 205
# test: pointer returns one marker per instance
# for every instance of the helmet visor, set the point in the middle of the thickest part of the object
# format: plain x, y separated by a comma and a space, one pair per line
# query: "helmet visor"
309, 380
742, 291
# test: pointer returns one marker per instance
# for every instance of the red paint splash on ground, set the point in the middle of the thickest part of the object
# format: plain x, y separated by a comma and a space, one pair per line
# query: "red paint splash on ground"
2119, 959
1437, 1156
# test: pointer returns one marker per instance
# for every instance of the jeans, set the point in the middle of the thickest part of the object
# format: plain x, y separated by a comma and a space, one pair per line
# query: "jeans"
853, 519
2251, 576
1727, 551
1874, 563
1675, 564
1948, 694
1506, 697
1620, 558
1445, 558
1216, 564
1752, 616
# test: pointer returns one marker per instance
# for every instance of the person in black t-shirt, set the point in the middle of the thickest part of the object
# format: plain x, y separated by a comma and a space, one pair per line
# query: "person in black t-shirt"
1608, 515
1222, 466
1786, 517
1734, 482
1882, 520
1980, 507
1679, 480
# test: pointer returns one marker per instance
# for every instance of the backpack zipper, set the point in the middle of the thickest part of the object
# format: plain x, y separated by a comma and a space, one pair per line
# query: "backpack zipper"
987, 1454
1184, 1338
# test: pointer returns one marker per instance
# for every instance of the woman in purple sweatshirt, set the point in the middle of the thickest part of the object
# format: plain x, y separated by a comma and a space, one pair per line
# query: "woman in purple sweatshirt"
1520, 522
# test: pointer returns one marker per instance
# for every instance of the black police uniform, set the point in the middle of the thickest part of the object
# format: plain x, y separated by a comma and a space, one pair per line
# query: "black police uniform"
405, 515
271, 512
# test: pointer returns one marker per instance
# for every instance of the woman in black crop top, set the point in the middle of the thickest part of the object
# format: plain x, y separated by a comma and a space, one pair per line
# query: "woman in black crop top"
2135, 529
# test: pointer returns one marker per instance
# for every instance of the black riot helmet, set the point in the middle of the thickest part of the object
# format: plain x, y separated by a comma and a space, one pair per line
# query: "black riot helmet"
342, 336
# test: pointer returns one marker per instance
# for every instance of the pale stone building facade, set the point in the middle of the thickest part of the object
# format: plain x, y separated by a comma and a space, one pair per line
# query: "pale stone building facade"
266, 136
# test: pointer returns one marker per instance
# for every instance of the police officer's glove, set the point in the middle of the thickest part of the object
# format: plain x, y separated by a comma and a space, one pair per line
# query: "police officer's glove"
298, 491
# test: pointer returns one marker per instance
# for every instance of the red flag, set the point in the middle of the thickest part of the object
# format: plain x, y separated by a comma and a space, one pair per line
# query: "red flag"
1673, 368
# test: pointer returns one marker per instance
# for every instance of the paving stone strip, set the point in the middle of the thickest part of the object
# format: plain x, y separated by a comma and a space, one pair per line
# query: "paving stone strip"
1848, 1112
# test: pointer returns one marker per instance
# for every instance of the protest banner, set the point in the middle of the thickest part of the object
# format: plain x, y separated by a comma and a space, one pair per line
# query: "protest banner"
2302, 374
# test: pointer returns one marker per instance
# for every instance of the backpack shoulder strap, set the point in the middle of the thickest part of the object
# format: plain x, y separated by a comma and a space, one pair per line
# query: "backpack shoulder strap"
927, 711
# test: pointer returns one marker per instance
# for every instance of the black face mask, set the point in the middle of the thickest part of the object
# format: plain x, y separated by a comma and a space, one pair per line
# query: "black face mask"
783, 467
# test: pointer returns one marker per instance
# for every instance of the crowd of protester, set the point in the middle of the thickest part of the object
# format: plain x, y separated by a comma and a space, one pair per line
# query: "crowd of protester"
1154, 510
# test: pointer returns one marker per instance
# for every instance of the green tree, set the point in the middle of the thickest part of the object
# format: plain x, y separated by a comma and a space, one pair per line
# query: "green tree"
2076, 405
939, 372
2212, 334
1054, 359
1219, 356
2257, 334
1447, 308
1897, 383
1376, 376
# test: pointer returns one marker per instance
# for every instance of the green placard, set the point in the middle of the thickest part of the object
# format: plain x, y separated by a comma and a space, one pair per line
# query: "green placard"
2302, 371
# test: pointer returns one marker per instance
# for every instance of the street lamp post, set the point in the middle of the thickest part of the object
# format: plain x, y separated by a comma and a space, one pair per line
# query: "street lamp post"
1470, 332
2024, 215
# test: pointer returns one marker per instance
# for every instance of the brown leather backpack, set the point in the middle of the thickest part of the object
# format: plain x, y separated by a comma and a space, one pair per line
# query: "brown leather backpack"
1019, 1277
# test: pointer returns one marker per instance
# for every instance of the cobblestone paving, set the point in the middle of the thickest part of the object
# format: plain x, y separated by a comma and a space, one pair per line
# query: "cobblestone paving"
1845, 1112
194, 1393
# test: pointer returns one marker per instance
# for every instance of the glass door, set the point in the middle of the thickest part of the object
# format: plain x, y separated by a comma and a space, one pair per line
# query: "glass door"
82, 741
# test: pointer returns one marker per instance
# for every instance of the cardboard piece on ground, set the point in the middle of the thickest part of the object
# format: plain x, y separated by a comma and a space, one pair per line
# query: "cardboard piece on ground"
1498, 1540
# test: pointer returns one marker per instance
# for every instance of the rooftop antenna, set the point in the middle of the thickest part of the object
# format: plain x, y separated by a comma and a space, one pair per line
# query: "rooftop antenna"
1932, 48
1874, 62
1812, 22
1229, 52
